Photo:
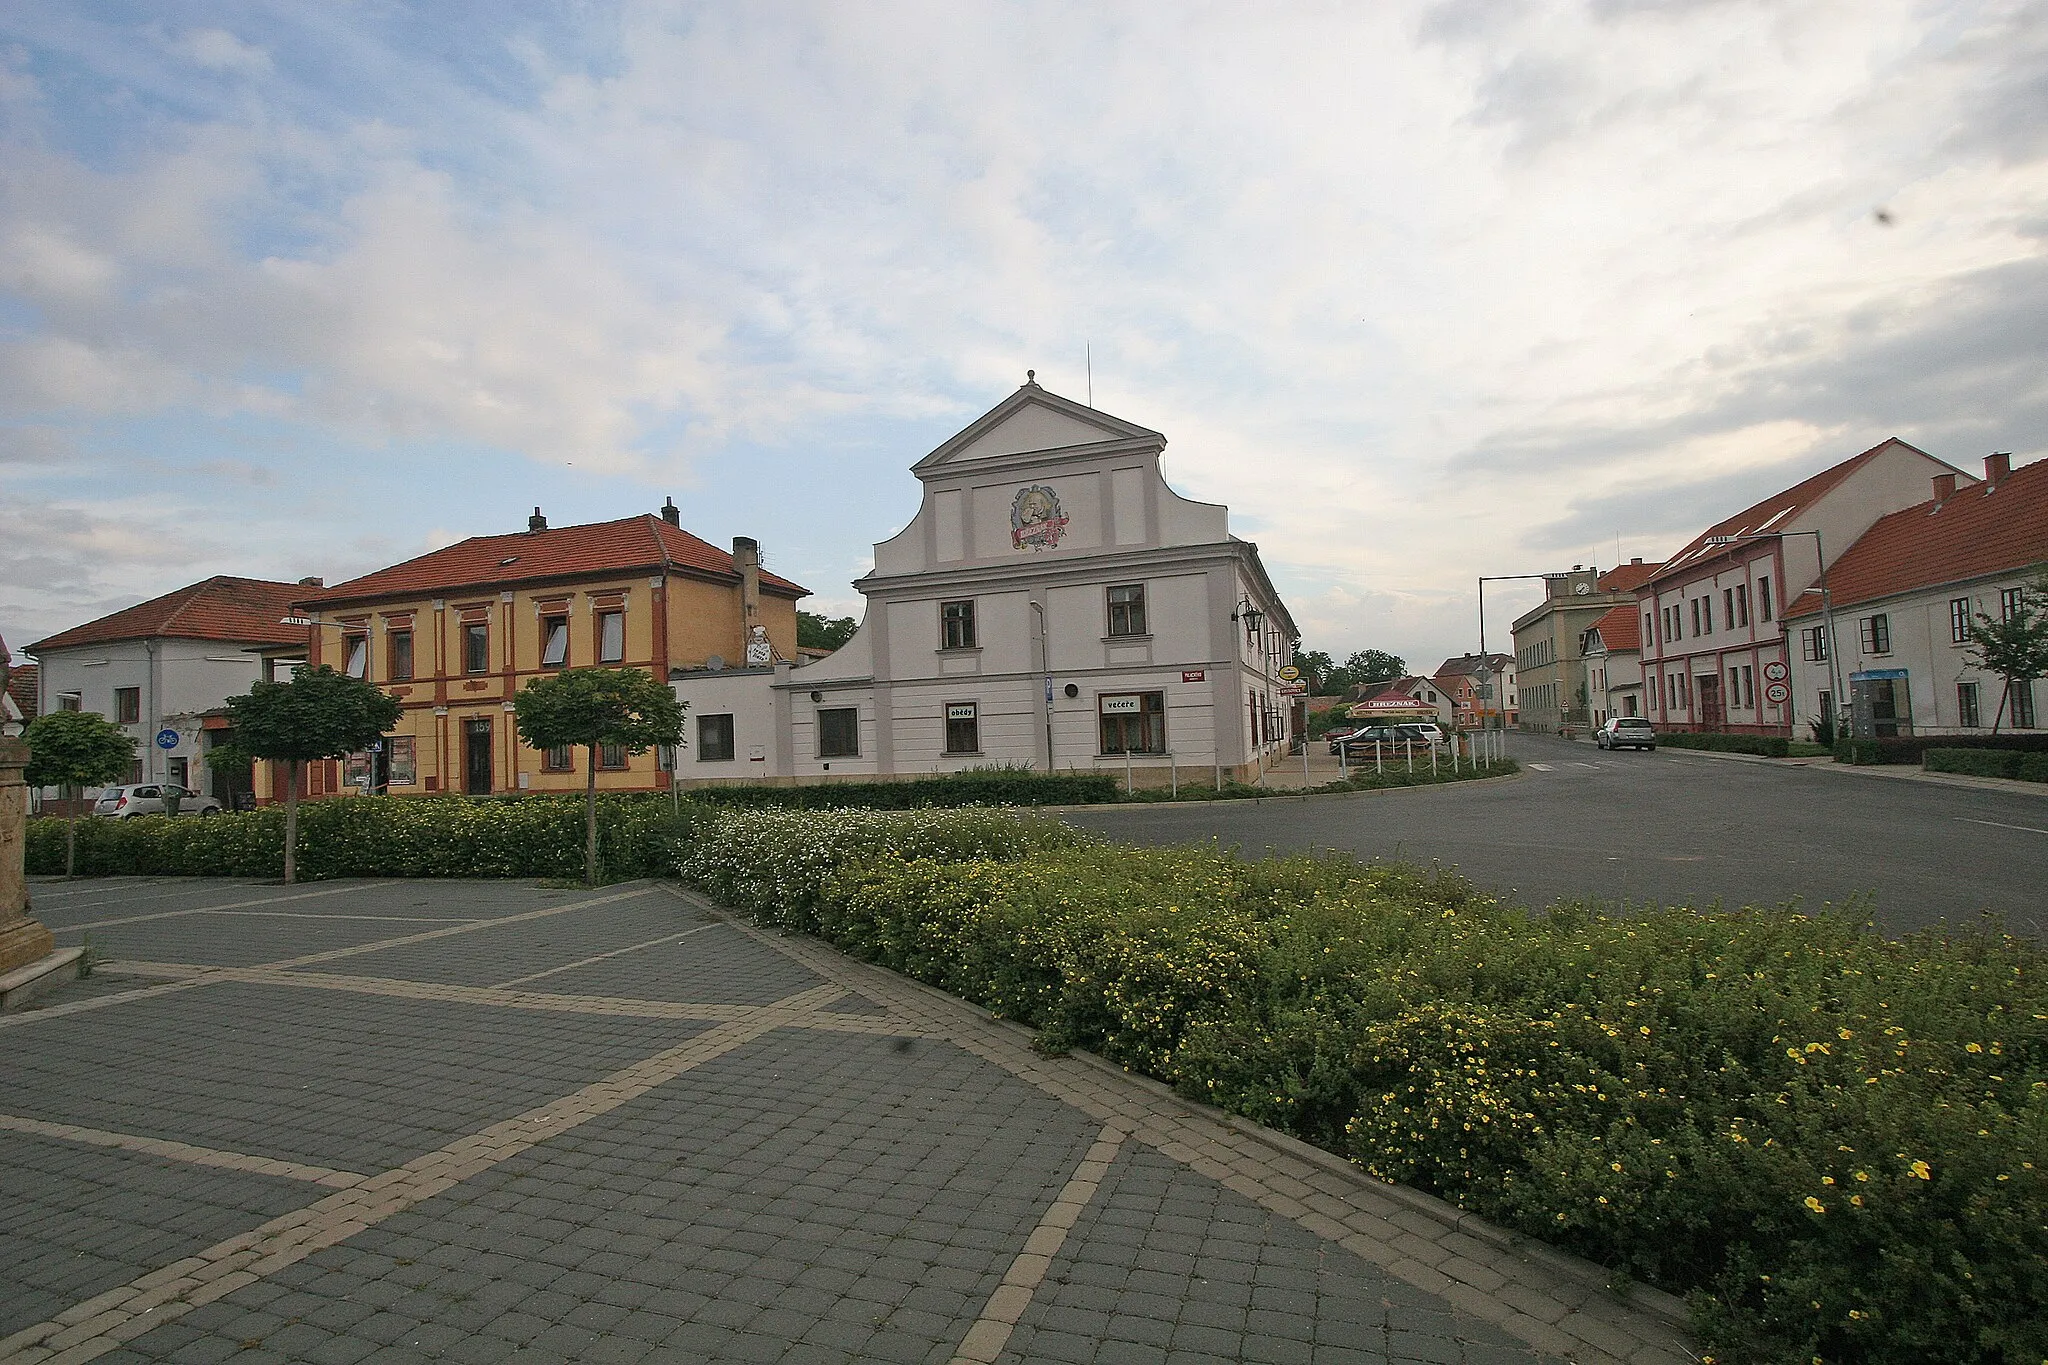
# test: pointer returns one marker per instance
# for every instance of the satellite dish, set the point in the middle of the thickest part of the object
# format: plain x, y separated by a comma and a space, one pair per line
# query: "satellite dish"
715, 663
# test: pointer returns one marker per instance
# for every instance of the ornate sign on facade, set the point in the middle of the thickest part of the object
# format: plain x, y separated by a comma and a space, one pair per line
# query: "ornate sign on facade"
1035, 518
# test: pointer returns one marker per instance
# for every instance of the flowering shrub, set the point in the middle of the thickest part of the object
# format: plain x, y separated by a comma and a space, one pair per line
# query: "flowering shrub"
1833, 1141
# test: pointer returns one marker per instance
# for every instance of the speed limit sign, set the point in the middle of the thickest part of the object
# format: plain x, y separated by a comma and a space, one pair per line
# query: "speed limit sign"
1775, 671
1777, 693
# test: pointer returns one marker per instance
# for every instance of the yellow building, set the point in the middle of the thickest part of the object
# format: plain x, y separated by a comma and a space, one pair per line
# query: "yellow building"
454, 634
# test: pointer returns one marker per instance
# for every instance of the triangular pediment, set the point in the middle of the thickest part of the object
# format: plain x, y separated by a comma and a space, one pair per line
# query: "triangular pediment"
1030, 420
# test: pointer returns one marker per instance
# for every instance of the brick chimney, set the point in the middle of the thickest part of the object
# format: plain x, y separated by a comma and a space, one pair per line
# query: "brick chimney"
670, 513
1997, 466
746, 557
1944, 487
536, 522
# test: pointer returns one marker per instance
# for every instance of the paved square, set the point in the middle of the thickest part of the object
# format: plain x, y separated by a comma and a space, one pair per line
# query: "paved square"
387, 1121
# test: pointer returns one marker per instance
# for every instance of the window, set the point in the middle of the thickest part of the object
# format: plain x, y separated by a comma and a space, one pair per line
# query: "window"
476, 648
1734, 689
554, 641
1127, 609
558, 759
611, 637
1695, 615
963, 727
1763, 598
1967, 714
1707, 615
1958, 620
1742, 603
404, 766
2023, 704
128, 705
1135, 722
1648, 634
2010, 600
398, 655
714, 739
611, 756
1748, 687
839, 732
70, 701
956, 625
355, 650
1728, 606
1877, 634
1813, 644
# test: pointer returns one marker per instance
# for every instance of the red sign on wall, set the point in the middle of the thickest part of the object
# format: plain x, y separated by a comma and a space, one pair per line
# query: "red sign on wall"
1194, 675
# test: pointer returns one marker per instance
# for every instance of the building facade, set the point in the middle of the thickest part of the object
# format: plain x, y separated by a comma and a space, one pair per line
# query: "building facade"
158, 667
1481, 689
1548, 663
1906, 599
1053, 604
1715, 655
453, 635
1614, 664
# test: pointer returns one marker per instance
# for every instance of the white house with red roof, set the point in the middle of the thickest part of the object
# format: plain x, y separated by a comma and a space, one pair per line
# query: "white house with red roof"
1481, 688
1905, 598
1613, 654
1053, 604
157, 666
1714, 651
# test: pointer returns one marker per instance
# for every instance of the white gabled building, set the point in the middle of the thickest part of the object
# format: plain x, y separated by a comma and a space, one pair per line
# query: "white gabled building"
1053, 605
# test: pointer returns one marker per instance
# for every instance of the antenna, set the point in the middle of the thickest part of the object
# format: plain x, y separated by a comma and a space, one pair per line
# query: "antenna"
1088, 355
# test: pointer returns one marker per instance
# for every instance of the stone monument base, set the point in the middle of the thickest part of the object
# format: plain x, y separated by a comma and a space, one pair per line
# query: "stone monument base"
22, 942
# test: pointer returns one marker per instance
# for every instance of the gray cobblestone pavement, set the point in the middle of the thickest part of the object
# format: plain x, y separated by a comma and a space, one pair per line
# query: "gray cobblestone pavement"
481, 1122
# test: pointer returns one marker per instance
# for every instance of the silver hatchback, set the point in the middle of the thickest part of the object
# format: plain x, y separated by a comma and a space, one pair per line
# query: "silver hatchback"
147, 798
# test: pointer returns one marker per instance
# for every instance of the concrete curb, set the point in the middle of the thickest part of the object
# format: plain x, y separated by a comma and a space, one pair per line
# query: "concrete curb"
26, 984
1896, 772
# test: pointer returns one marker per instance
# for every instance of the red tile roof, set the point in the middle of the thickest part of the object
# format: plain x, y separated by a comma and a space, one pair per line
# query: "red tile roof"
21, 685
1978, 531
1621, 628
1628, 577
241, 610
1773, 512
629, 545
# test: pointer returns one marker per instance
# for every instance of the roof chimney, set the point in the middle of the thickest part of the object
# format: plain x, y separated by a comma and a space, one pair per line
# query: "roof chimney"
1997, 466
536, 522
746, 557
1944, 487
312, 582
670, 513
1636, 559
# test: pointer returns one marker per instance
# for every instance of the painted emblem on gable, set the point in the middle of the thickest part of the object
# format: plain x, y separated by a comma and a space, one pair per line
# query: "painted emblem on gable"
1035, 518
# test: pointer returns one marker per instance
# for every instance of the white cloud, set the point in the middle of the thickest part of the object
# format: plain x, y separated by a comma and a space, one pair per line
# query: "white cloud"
219, 50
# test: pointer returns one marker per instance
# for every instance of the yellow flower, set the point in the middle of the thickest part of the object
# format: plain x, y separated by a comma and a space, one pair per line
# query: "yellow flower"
1919, 1168
1815, 1204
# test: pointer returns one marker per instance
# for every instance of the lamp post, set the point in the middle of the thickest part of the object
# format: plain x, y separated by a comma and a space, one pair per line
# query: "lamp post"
1045, 658
1484, 579
1827, 610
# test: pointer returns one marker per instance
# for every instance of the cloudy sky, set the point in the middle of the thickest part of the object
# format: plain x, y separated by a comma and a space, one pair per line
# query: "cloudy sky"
1421, 291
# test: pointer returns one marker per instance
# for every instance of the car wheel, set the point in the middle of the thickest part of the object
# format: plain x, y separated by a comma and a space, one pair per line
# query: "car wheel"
210, 810
1650, 748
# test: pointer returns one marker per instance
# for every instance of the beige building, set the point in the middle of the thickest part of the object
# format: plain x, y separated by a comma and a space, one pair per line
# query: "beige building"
1549, 663
454, 635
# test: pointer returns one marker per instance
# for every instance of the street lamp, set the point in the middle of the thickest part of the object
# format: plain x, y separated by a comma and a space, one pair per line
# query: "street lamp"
1827, 610
1484, 579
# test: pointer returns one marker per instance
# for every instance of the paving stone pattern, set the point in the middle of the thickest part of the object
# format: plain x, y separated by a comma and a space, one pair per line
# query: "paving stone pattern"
75, 1221
541, 1126
1169, 1268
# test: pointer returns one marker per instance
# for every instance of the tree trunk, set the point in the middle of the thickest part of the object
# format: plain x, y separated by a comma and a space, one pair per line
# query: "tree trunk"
71, 831
1999, 716
590, 822
291, 820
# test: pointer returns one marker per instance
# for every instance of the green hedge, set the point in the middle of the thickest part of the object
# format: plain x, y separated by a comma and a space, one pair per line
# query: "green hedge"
433, 836
1770, 746
1913, 748
1834, 1142
1988, 763
982, 787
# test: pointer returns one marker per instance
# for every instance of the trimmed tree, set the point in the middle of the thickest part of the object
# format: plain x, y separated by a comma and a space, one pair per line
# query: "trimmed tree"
72, 750
2015, 648
318, 714
596, 708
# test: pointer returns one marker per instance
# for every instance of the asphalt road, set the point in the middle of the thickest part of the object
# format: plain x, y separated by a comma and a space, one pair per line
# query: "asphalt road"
1668, 828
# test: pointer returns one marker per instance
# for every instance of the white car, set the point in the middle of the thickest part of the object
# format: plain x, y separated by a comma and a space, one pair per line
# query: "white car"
1625, 732
147, 798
